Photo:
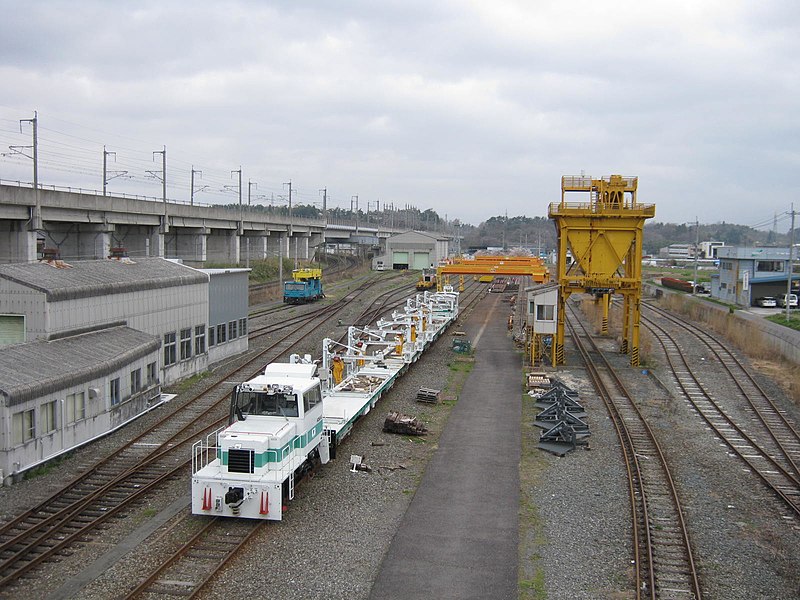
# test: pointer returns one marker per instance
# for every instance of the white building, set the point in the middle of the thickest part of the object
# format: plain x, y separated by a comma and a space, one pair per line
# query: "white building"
541, 321
152, 295
85, 346
58, 394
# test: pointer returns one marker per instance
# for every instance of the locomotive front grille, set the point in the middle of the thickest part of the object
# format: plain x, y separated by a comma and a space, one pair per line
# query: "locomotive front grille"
240, 461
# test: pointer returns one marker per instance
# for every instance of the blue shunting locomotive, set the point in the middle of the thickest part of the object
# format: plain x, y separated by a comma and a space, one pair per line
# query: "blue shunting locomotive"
305, 286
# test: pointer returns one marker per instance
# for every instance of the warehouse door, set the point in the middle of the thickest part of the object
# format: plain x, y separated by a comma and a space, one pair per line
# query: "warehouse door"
422, 260
399, 260
12, 329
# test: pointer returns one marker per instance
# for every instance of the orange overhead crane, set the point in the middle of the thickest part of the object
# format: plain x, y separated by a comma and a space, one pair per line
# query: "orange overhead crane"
531, 266
604, 235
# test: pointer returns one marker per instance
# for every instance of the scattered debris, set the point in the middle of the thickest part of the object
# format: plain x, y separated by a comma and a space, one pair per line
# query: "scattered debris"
462, 346
404, 424
377, 444
538, 380
393, 468
428, 395
357, 464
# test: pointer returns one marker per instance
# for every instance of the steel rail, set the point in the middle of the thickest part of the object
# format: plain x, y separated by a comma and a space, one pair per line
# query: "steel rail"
775, 475
662, 548
771, 418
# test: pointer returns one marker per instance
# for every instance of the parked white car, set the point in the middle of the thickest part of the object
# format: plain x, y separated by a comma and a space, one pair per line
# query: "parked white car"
766, 302
792, 300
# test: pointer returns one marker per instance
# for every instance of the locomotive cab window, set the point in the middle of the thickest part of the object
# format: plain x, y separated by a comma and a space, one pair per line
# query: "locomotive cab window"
265, 405
311, 398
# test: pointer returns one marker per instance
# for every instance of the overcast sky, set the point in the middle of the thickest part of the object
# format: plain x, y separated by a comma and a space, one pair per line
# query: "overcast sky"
472, 109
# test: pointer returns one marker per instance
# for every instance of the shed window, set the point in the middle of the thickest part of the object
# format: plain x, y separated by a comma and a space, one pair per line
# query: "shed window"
221, 333
243, 326
136, 380
76, 407
170, 349
544, 312
23, 425
151, 373
48, 415
186, 343
200, 339
114, 392
211, 338
232, 330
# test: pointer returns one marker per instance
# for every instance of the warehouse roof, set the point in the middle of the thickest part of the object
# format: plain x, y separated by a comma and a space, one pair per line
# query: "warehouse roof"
90, 278
35, 369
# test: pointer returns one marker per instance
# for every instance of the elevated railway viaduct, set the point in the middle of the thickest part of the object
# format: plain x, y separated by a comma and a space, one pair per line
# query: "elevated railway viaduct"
81, 224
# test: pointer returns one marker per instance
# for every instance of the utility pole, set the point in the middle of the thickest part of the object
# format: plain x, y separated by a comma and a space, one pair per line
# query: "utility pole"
163, 176
352, 200
241, 217
250, 185
324, 204
696, 252
289, 183
291, 224
105, 169
36, 221
106, 173
791, 264
191, 187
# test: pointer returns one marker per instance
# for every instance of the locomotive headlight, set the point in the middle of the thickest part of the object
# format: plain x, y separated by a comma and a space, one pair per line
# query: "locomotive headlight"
234, 495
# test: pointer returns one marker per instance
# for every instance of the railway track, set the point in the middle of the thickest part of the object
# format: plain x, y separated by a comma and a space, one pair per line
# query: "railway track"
218, 541
196, 562
138, 467
768, 442
663, 561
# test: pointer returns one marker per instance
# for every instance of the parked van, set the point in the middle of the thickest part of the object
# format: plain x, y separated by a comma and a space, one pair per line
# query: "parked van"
792, 300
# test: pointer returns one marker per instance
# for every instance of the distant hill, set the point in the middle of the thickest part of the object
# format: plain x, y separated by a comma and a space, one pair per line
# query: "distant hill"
535, 232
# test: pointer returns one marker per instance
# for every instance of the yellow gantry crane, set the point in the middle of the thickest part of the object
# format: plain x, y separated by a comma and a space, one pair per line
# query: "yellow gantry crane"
603, 235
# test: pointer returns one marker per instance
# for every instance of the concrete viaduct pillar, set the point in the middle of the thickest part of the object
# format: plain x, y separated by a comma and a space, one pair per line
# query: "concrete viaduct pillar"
17, 243
254, 246
80, 241
223, 246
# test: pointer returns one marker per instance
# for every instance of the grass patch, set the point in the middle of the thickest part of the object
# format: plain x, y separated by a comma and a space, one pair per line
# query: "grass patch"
187, 383
456, 377
149, 513
533, 588
47, 467
532, 541
792, 323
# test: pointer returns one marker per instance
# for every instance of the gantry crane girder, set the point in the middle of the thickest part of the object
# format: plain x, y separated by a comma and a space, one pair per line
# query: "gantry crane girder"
495, 265
604, 237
